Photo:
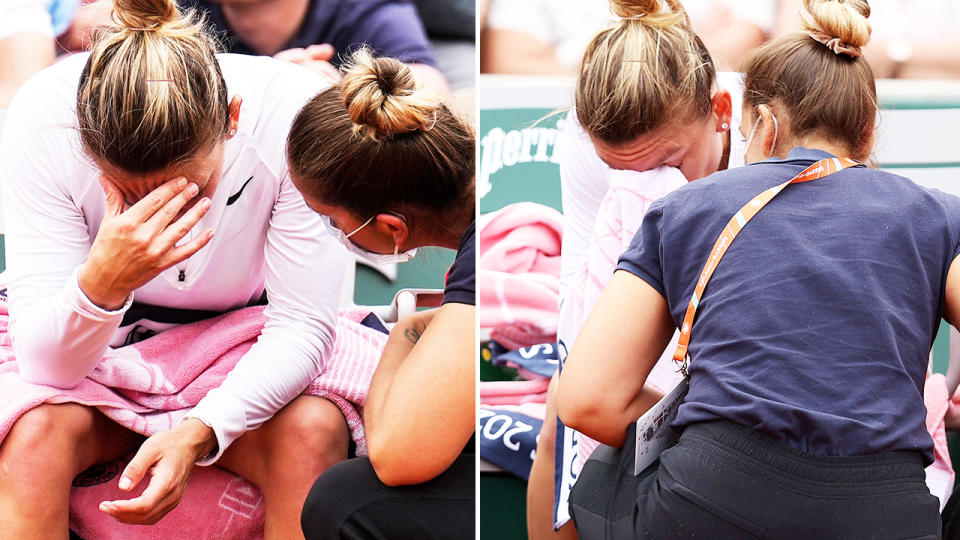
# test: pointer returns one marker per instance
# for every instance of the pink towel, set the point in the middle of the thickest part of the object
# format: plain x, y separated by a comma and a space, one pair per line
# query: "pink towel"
514, 392
150, 386
216, 504
940, 475
519, 274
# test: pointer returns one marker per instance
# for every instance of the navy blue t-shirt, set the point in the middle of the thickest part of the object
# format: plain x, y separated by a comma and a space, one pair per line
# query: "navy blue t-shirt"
390, 27
460, 287
817, 325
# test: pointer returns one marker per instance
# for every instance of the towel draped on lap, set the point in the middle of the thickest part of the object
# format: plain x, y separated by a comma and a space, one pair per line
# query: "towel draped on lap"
151, 385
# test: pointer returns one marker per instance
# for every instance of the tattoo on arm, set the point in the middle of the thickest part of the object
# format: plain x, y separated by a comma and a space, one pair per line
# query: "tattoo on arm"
412, 335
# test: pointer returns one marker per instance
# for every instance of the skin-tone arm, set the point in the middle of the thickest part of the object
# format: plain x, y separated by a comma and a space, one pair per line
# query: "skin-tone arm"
24, 54
431, 78
729, 40
420, 410
601, 389
951, 312
317, 58
509, 51
314, 57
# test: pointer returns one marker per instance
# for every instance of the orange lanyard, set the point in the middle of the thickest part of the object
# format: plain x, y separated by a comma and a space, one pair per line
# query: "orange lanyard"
816, 171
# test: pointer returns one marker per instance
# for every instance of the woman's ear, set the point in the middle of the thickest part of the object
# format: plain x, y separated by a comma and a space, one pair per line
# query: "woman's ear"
722, 105
769, 131
394, 226
233, 111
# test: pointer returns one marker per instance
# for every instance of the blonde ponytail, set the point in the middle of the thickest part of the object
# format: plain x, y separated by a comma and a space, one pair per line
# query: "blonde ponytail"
650, 12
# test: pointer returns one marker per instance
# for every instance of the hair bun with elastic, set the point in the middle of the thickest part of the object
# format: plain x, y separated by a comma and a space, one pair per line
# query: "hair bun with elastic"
144, 14
650, 12
384, 98
841, 25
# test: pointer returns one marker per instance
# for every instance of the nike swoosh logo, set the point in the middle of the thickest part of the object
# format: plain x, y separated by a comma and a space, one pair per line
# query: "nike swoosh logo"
233, 198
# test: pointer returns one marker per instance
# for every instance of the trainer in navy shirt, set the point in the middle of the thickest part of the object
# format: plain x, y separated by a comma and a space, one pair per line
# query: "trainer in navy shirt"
390, 27
460, 286
817, 325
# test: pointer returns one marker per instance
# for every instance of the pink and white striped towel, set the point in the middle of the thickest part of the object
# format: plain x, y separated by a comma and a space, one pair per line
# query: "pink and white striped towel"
151, 385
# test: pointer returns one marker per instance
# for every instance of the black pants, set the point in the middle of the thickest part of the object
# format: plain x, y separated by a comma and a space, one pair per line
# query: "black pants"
349, 501
723, 480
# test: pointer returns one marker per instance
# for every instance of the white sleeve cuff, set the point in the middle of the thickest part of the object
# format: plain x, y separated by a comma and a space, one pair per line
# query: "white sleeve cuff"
82, 305
227, 423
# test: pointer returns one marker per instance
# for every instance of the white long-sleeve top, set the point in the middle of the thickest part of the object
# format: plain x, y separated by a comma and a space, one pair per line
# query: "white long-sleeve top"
266, 238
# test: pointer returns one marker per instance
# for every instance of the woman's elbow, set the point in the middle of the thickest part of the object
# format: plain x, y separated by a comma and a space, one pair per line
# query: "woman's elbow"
591, 415
395, 470
575, 409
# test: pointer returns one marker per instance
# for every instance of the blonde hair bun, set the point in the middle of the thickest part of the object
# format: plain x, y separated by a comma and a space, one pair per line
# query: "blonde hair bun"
145, 14
650, 12
384, 98
845, 20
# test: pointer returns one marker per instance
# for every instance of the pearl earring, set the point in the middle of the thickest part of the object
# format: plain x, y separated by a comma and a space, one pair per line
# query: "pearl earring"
724, 126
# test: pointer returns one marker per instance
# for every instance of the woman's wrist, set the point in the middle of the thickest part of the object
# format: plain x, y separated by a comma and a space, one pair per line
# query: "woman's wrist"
92, 289
198, 436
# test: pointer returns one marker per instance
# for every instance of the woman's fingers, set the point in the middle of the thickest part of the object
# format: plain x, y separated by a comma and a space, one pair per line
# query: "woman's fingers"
179, 228
159, 220
322, 51
297, 55
181, 253
159, 498
134, 472
156, 199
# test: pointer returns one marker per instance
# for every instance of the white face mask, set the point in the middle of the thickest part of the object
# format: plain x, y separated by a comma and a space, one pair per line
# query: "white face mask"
377, 259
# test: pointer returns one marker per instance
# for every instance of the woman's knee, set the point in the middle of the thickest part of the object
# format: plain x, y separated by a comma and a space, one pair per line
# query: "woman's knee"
319, 423
49, 434
314, 429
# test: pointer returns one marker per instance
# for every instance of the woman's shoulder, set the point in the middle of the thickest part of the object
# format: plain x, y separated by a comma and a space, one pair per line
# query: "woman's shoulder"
906, 192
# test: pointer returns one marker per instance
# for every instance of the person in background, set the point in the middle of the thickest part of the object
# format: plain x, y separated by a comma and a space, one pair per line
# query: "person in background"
28, 29
392, 169
911, 39
548, 37
319, 35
